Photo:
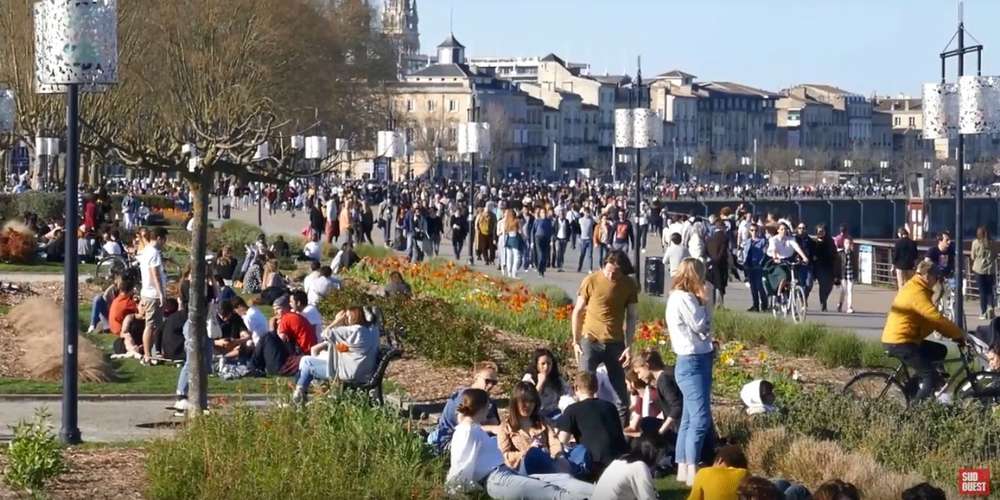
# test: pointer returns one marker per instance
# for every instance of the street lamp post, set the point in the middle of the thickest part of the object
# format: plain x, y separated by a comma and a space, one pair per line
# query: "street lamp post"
848, 164
76, 48
745, 162
799, 165
883, 166
473, 140
438, 158
263, 153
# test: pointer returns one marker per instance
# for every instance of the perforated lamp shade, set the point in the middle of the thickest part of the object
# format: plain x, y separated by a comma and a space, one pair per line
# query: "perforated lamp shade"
8, 110
971, 106
391, 144
316, 147
639, 128
76, 42
474, 138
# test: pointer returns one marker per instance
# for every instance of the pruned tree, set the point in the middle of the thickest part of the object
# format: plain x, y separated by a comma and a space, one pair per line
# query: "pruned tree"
429, 133
502, 140
221, 78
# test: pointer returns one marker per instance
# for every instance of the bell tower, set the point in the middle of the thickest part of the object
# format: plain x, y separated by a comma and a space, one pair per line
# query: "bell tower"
400, 22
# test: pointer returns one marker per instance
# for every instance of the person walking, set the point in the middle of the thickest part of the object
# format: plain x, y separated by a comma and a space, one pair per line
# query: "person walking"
848, 276
689, 320
752, 255
824, 264
904, 257
563, 231
510, 253
459, 231
984, 267
603, 323
717, 248
808, 246
587, 225
542, 237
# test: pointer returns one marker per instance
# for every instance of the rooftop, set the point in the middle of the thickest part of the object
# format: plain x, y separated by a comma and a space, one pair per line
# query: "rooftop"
444, 71
451, 42
737, 88
676, 74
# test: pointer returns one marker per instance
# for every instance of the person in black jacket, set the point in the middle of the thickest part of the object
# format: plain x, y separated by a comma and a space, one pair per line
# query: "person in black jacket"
459, 231
904, 257
808, 247
824, 263
317, 222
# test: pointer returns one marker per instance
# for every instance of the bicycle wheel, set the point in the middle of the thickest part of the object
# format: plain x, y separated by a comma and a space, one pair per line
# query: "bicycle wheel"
798, 305
109, 267
875, 386
984, 386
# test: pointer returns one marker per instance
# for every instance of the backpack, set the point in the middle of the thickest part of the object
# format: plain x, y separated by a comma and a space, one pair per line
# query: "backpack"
484, 225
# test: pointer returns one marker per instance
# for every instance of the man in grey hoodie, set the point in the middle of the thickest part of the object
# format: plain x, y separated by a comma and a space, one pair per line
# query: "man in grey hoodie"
587, 223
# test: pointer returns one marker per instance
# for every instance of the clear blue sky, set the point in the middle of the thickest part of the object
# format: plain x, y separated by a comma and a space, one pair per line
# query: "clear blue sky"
888, 46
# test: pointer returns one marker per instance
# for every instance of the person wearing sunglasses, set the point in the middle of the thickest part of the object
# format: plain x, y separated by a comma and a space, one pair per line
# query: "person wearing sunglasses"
484, 377
752, 254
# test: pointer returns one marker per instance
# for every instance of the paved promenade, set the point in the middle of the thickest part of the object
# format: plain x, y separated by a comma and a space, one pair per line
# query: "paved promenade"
870, 303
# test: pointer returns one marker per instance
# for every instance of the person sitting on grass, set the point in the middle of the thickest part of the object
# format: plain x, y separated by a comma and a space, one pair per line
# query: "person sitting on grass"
924, 491
528, 444
594, 424
313, 250
254, 320
235, 335
397, 286
646, 412
101, 306
226, 292
722, 480
291, 336
313, 274
126, 322
345, 259
650, 368
476, 461
301, 305
544, 374
758, 488
484, 378
349, 351
630, 476
836, 489
321, 286
171, 342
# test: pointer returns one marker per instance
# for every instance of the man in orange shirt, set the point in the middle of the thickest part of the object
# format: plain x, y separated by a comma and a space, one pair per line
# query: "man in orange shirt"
290, 338
124, 317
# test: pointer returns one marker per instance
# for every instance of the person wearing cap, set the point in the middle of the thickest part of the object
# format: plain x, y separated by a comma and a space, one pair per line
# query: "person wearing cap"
291, 336
912, 317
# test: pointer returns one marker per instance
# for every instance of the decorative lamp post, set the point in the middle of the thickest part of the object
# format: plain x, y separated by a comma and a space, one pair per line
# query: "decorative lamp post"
390, 146
263, 153
883, 166
343, 147
927, 165
76, 45
473, 140
8, 114
746, 162
848, 164
954, 110
638, 128
688, 164
316, 150
438, 158
799, 165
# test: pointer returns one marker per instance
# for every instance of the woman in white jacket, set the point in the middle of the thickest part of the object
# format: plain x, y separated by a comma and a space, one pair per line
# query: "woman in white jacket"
689, 322
476, 462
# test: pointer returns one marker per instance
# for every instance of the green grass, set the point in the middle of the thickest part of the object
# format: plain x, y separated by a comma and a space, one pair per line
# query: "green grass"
133, 378
43, 268
651, 308
670, 489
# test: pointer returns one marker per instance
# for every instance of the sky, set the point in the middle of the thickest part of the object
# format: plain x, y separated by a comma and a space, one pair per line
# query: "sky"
886, 46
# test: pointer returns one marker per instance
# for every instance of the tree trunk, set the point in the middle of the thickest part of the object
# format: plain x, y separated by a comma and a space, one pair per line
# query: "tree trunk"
4, 160
197, 311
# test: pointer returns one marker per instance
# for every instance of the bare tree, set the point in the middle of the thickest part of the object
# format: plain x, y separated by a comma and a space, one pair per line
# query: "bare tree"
217, 81
502, 140
428, 134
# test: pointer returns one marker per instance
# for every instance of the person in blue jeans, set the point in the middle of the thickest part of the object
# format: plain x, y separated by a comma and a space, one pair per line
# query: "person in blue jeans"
101, 305
543, 230
484, 378
689, 321
183, 378
754, 251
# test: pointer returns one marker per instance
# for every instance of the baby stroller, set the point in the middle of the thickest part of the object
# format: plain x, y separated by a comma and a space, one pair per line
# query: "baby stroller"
984, 341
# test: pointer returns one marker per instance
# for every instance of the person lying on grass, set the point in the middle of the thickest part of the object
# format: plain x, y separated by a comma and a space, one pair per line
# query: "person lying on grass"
349, 353
477, 463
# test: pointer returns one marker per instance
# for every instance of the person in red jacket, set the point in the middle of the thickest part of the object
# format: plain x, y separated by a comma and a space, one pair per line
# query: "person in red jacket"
89, 213
291, 337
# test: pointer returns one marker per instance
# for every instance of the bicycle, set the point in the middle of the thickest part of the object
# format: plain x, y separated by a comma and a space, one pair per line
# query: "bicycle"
946, 303
113, 265
792, 300
900, 387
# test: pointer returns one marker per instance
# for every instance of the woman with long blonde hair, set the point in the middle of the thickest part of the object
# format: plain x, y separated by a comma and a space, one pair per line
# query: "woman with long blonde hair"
512, 243
689, 322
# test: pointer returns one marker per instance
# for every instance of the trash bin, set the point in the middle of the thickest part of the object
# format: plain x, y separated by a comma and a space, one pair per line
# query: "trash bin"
654, 275
227, 211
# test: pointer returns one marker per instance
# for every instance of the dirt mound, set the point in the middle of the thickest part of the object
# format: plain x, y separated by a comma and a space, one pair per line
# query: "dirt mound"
38, 327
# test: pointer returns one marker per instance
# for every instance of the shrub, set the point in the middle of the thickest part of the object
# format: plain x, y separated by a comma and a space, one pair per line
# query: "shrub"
555, 294
46, 205
34, 456
373, 251
799, 340
428, 326
17, 243
340, 448
838, 349
236, 234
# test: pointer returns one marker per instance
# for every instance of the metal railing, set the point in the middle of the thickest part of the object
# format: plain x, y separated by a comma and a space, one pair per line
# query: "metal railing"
882, 274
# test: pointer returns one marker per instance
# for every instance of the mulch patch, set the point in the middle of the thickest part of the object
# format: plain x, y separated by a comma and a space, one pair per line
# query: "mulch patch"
105, 473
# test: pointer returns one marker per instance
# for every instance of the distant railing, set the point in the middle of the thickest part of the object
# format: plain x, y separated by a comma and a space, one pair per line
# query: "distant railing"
883, 275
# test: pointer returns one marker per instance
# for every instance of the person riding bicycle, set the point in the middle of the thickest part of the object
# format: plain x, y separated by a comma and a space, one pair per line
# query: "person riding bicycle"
943, 256
912, 317
783, 249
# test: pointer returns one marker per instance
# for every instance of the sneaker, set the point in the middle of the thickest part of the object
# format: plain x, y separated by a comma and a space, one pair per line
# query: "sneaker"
181, 404
92, 329
753, 310
298, 396
982, 316
850, 310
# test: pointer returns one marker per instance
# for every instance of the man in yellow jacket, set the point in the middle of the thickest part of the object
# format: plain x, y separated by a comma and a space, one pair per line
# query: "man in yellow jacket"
912, 318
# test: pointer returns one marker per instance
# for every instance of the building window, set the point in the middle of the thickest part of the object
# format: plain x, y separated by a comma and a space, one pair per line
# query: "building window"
913, 122
897, 121
409, 105
452, 107
430, 105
